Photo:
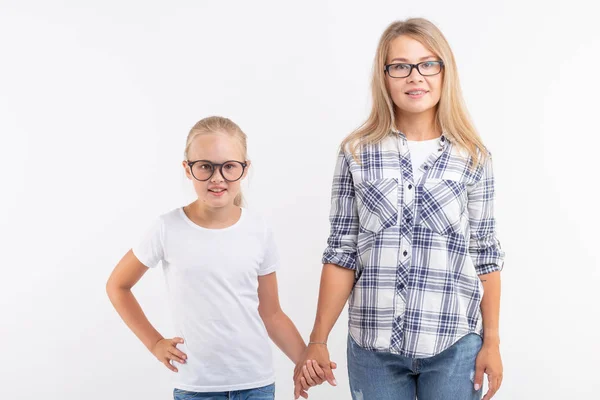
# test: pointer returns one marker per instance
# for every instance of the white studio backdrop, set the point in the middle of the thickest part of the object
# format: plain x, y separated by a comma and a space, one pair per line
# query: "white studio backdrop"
96, 98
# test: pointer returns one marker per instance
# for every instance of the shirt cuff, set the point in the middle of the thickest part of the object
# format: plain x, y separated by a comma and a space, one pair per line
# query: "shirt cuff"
345, 260
488, 268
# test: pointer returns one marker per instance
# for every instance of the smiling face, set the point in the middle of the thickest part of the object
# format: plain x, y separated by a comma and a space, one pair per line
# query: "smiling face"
216, 148
415, 93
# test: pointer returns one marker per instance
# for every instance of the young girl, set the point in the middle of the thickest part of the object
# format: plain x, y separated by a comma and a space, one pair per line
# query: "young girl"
413, 239
219, 261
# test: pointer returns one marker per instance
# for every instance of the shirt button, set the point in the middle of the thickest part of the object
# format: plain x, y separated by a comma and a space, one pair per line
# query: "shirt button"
407, 220
405, 253
409, 187
426, 167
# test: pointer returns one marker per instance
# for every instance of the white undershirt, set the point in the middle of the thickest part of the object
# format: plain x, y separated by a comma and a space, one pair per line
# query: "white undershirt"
420, 150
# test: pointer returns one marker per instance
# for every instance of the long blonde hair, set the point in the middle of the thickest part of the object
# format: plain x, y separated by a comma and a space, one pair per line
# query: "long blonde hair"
451, 115
220, 125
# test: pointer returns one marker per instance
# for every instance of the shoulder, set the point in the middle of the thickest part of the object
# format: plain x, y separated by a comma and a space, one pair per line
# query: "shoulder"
258, 226
171, 217
461, 160
256, 220
352, 151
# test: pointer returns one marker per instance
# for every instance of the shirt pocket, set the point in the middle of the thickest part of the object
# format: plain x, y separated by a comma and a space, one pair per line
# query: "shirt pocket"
377, 202
442, 204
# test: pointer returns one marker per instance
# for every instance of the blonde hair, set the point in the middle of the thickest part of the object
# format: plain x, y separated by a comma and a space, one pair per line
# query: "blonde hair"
219, 125
451, 114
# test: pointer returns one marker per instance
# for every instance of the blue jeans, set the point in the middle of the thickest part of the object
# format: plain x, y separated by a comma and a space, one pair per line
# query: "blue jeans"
261, 393
386, 376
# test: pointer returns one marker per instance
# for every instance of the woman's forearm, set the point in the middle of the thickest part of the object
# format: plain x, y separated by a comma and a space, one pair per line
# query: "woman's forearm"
490, 308
336, 284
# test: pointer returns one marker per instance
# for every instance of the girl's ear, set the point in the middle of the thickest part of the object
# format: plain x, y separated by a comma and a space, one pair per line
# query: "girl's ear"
188, 173
248, 163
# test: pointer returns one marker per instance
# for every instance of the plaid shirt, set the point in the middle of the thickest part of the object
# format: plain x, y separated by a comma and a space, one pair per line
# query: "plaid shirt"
417, 248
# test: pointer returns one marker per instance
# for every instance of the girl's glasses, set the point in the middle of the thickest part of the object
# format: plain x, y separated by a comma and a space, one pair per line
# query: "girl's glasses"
203, 170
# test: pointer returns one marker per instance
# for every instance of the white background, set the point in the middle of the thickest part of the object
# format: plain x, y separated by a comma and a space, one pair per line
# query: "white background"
96, 99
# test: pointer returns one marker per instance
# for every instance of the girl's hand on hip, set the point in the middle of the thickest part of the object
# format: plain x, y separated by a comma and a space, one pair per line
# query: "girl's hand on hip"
165, 350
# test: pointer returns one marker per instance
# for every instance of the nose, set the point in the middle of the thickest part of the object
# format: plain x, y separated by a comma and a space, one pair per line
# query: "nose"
415, 75
217, 177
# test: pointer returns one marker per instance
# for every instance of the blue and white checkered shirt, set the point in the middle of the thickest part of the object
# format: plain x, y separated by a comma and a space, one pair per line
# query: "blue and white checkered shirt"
417, 247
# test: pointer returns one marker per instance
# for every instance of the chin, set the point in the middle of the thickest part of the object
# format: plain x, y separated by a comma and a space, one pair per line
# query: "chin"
217, 203
415, 109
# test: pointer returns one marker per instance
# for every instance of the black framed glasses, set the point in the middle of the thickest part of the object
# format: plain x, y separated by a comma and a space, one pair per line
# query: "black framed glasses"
203, 170
425, 68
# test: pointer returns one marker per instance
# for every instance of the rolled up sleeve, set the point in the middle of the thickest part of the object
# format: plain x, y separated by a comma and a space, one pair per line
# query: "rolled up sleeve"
484, 246
341, 244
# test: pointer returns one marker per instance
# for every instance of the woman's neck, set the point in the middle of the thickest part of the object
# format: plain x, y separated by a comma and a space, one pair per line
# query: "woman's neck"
422, 126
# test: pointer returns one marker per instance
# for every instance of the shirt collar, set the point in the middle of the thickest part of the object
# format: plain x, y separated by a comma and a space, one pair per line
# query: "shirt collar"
443, 139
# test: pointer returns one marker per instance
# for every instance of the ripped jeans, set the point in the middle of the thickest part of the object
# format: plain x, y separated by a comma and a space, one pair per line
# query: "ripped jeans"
386, 376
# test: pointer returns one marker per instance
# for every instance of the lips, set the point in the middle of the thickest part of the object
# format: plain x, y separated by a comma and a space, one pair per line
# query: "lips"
417, 92
217, 191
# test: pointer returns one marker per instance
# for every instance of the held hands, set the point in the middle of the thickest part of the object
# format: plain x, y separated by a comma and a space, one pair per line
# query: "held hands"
313, 369
166, 351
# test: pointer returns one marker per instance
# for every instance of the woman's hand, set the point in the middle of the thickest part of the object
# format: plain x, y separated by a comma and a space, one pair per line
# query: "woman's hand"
489, 362
314, 368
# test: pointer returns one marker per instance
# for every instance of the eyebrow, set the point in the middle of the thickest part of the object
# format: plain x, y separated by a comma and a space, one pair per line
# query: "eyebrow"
406, 60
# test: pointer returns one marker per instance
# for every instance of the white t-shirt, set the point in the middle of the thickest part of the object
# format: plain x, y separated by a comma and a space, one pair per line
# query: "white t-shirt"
212, 282
419, 153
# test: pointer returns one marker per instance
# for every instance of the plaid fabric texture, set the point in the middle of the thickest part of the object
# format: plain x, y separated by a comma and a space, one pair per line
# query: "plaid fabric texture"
417, 248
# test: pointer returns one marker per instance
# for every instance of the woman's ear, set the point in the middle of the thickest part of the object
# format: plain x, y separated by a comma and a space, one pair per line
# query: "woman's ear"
188, 173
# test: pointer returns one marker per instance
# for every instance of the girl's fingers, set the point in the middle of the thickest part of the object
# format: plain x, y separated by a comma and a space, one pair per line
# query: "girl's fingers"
176, 340
306, 375
312, 370
297, 390
309, 379
304, 394
168, 365
181, 356
304, 384
173, 357
318, 370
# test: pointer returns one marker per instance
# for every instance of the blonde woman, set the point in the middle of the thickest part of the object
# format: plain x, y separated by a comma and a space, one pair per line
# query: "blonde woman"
413, 242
